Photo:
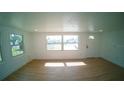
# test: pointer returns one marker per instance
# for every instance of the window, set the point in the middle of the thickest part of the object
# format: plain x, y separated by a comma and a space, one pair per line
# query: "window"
54, 42
16, 42
70, 42
62, 42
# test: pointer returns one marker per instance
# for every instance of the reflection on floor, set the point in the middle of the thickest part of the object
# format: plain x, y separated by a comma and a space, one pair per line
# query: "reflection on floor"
68, 70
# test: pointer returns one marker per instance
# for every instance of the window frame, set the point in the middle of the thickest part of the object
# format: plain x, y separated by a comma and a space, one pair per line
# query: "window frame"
62, 41
22, 44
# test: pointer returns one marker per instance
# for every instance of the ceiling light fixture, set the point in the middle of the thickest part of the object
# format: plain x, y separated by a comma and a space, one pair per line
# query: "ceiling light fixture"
35, 30
91, 37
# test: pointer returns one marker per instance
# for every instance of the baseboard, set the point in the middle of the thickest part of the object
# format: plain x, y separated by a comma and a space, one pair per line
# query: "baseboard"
64, 59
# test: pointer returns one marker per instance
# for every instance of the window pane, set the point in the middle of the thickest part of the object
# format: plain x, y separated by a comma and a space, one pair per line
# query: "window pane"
54, 47
54, 42
16, 42
70, 42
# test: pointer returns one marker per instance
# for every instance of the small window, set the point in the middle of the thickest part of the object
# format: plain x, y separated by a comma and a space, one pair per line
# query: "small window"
70, 42
16, 42
54, 42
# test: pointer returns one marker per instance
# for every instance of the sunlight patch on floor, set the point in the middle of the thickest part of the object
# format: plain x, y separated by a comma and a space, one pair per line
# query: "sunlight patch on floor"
54, 64
61, 64
75, 64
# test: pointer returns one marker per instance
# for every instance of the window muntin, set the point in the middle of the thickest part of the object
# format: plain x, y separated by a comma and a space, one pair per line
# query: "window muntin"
54, 42
62, 42
70, 42
16, 42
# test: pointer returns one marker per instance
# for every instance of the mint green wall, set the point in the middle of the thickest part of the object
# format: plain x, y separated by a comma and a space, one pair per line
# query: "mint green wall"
112, 46
12, 23
11, 64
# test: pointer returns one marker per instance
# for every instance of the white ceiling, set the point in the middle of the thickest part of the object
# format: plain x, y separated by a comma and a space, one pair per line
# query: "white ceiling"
64, 22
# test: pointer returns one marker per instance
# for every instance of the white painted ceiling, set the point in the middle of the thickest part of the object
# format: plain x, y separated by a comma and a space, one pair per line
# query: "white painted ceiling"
63, 22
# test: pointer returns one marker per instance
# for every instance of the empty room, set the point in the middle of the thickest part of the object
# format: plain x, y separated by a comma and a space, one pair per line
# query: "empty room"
61, 46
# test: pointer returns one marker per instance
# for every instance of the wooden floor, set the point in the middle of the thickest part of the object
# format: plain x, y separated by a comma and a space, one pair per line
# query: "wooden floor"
96, 69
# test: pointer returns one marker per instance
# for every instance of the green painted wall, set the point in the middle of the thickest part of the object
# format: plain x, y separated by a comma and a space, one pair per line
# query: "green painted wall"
112, 47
